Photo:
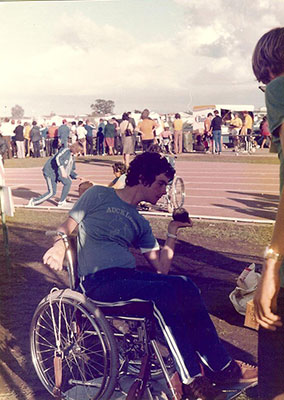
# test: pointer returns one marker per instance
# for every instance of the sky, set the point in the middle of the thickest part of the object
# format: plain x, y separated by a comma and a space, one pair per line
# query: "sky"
165, 55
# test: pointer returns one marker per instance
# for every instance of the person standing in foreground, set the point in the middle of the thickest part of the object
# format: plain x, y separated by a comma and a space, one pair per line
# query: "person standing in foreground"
109, 134
59, 168
7, 133
246, 130
19, 138
35, 139
265, 133
268, 67
81, 135
89, 138
27, 130
208, 131
216, 125
108, 225
63, 134
178, 124
126, 131
146, 129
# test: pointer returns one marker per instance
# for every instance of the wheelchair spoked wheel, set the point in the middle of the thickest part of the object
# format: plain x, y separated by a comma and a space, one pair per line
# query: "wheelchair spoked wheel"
67, 326
177, 193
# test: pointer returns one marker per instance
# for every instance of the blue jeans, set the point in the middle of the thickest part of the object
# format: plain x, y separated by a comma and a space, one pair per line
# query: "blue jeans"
64, 142
89, 144
36, 146
178, 308
217, 141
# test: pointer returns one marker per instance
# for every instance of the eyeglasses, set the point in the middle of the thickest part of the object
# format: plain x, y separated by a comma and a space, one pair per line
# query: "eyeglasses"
262, 88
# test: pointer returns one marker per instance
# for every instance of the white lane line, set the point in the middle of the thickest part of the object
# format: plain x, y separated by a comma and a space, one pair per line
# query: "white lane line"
231, 206
237, 189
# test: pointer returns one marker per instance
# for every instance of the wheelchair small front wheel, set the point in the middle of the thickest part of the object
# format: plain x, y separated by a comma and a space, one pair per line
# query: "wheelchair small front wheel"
67, 327
177, 192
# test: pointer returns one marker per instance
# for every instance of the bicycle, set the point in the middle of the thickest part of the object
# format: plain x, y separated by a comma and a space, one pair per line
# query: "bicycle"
83, 349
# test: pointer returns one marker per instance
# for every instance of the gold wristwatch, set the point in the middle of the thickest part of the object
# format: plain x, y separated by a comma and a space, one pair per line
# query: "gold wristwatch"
270, 253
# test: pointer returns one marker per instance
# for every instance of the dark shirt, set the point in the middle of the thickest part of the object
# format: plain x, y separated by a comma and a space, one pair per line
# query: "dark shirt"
35, 134
44, 132
132, 121
19, 133
89, 130
216, 123
63, 132
109, 130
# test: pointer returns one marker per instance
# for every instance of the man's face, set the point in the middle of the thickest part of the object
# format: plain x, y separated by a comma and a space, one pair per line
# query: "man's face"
158, 188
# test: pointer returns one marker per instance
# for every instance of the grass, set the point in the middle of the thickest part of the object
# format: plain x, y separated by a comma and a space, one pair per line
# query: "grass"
227, 157
212, 253
223, 232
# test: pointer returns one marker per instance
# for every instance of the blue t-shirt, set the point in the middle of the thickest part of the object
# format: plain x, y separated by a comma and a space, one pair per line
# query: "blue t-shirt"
63, 131
108, 226
274, 98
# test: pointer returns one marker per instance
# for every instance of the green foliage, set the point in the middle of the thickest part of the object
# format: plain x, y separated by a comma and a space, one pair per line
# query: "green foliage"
102, 107
17, 111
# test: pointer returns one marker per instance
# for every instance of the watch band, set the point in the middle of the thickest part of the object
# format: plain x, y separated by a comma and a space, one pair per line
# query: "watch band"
172, 236
270, 253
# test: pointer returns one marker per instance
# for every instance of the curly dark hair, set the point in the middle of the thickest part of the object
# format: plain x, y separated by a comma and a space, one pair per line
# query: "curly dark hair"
268, 55
146, 166
119, 167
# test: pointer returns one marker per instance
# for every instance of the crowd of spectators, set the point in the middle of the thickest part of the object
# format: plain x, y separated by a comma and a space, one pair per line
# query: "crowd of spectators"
230, 131
123, 136
110, 135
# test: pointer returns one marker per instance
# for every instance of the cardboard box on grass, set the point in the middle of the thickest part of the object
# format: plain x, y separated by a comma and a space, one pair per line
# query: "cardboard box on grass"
250, 321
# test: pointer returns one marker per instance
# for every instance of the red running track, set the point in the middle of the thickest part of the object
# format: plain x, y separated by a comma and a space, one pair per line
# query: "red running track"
217, 190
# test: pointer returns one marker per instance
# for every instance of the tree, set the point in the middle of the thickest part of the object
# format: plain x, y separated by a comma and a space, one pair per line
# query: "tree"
17, 111
102, 107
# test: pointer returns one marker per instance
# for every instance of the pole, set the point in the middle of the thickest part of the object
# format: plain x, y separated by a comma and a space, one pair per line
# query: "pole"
5, 236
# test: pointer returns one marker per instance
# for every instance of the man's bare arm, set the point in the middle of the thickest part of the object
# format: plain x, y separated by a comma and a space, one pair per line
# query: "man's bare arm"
268, 288
55, 255
161, 259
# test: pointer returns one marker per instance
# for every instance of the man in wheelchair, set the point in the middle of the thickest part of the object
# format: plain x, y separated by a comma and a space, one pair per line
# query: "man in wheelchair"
108, 225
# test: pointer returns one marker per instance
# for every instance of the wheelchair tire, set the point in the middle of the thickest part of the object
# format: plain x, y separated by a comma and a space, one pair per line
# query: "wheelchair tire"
177, 192
66, 323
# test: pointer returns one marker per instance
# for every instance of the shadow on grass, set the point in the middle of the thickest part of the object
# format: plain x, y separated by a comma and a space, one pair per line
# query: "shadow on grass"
214, 272
21, 289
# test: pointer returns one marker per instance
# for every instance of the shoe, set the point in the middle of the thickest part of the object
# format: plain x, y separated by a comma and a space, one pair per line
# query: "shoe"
31, 203
237, 372
62, 203
202, 389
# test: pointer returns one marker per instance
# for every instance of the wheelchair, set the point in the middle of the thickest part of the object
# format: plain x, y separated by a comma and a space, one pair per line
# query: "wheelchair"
174, 198
87, 350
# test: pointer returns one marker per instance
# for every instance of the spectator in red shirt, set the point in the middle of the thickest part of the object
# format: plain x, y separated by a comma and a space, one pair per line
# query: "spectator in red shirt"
264, 130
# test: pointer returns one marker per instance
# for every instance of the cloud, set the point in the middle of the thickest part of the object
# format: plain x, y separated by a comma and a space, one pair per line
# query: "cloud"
209, 54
